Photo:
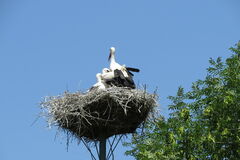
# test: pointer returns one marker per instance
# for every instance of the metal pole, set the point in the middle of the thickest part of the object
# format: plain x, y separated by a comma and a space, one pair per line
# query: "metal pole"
102, 149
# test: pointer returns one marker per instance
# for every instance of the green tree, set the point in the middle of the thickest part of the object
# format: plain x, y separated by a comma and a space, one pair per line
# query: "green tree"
204, 122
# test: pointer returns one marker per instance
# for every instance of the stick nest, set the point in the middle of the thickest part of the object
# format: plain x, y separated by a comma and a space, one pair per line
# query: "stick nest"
99, 114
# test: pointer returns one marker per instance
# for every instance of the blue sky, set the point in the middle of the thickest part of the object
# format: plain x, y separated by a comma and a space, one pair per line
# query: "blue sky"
47, 47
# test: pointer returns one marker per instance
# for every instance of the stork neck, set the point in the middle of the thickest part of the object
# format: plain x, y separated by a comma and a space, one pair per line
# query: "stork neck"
112, 58
99, 78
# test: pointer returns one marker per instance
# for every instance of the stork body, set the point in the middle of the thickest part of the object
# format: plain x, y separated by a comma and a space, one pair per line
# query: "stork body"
100, 85
121, 73
122, 81
114, 65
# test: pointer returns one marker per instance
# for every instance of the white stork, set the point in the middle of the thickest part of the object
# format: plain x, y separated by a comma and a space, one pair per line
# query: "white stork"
114, 65
107, 74
100, 85
122, 72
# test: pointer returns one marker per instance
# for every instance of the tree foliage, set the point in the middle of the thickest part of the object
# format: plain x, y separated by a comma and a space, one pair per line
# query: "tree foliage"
204, 122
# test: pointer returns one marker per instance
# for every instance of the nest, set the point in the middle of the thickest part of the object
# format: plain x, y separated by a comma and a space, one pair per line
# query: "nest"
97, 115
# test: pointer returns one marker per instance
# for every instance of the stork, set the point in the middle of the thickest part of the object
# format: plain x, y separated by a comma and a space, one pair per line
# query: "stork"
100, 85
107, 74
125, 76
114, 65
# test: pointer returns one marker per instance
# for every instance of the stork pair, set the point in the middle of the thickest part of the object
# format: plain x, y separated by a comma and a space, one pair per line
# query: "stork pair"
117, 75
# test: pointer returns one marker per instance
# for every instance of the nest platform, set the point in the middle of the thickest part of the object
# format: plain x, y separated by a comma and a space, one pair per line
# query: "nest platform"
97, 115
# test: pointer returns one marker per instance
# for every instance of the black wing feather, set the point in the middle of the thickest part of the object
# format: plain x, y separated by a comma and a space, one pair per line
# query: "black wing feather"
133, 69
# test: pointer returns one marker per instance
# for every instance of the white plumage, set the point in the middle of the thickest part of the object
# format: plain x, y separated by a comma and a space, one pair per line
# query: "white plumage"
100, 85
117, 75
107, 74
114, 65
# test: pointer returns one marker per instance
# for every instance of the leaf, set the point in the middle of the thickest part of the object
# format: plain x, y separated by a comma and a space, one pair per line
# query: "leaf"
225, 132
204, 122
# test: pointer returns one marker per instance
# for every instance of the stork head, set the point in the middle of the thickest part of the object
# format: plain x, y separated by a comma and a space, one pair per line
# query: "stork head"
105, 70
112, 53
112, 50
